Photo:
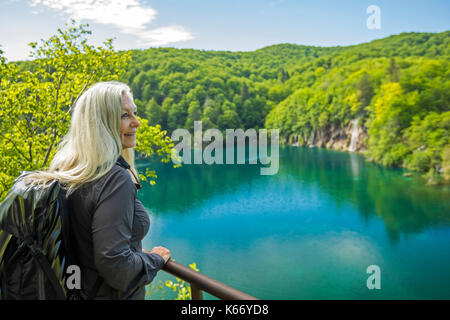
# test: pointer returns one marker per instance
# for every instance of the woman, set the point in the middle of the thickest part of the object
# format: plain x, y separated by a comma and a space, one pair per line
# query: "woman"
95, 164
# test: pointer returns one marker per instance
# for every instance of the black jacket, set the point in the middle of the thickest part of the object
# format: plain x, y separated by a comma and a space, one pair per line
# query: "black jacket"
108, 223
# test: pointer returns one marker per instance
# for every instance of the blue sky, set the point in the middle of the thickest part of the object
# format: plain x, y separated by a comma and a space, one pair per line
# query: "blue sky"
237, 25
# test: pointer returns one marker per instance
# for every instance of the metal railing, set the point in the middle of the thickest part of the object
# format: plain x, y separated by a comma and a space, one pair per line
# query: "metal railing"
199, 283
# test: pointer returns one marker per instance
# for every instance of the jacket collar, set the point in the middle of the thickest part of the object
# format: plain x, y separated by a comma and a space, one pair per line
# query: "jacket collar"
121, 162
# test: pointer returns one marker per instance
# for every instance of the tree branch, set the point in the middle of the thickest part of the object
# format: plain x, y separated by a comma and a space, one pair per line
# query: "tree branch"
15, 147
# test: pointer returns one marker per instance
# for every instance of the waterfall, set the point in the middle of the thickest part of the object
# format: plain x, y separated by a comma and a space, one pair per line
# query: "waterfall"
354, 138
295, 141
311, 143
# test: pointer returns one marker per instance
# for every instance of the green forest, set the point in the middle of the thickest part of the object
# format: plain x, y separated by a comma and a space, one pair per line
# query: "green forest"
398, 88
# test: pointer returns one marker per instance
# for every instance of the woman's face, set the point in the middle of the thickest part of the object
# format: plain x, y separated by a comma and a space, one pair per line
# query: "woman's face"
129, 122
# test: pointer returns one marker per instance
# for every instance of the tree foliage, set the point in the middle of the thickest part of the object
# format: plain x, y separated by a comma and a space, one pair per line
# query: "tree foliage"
391, 85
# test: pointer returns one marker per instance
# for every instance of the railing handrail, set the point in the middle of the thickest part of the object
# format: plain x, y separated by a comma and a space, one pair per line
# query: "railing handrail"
199, 281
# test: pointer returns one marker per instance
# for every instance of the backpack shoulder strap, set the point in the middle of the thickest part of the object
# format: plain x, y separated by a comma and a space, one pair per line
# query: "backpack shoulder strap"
43, 263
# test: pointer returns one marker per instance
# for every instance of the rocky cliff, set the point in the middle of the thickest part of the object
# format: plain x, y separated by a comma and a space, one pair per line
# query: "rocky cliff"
351, 137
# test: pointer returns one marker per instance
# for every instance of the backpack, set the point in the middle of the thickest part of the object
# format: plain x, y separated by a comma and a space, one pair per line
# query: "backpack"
35, 244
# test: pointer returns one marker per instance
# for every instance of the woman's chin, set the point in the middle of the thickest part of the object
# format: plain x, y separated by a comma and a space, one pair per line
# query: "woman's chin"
128, 145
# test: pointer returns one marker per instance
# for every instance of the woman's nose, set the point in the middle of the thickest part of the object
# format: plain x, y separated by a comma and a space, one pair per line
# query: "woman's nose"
135, 122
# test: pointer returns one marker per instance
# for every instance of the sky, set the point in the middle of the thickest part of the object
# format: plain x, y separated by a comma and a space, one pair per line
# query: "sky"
235, 25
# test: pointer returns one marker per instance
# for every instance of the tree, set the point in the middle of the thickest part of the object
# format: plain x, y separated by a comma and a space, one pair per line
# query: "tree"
209, 118
229, 119
165, 107
427, 139
284, 76
278, 93
175, 117
154, 113
244, 92
194, 114
151, 141
365, 90
393, 112
393, 70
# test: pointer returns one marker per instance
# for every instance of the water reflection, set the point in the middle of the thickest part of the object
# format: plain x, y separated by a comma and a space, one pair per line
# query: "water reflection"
355, 163
405, 205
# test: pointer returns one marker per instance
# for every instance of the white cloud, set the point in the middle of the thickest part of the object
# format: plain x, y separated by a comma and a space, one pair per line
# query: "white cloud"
165, 35
129, 16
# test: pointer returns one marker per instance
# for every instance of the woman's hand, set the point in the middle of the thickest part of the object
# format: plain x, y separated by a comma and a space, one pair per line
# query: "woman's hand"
163, 252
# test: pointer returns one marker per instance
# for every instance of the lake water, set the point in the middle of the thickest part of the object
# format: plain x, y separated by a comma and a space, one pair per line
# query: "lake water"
308, 232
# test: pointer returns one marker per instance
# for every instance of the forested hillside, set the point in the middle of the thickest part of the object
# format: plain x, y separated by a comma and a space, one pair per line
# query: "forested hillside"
395, 90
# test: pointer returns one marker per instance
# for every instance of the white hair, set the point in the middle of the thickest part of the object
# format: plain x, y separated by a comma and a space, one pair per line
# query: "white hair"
92, 145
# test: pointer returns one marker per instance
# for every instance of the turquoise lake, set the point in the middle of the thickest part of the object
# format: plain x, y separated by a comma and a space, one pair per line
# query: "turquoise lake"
308, 232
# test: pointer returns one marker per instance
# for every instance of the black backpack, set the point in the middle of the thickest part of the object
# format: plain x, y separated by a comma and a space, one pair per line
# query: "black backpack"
35, 248
35, 244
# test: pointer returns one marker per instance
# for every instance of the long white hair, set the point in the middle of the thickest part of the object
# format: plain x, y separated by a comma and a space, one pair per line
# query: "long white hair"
92, 144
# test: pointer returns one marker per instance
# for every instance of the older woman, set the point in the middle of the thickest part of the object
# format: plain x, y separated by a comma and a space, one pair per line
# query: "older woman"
95, 163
